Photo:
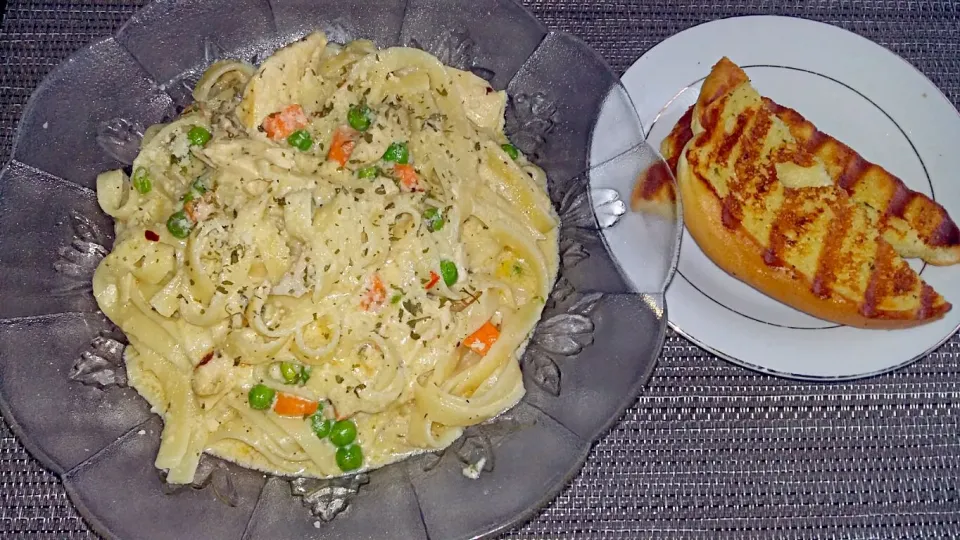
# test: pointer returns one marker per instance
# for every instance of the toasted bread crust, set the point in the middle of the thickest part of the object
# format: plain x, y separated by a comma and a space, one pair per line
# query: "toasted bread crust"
824, 255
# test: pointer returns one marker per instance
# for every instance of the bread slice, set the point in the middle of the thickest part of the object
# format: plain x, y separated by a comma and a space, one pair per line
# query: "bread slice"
801, 217
914, 224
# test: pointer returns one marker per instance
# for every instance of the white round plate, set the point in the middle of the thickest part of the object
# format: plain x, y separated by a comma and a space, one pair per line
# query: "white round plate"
850, 88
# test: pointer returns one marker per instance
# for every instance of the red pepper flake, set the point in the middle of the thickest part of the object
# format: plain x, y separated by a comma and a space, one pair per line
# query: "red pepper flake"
206, 359
151, 236
489, 90
434, 278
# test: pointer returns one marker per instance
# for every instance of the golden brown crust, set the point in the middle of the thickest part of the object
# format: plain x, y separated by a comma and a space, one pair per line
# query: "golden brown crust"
821, 252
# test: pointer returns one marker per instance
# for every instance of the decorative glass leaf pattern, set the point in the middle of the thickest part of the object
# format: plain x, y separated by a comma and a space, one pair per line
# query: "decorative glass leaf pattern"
572, 253
78, 259
582, 213
607, 206
528, 121
562, 290
564, 331
545, 371
101, 365
340, 30
120, 138
212, 50
180, 89
455, 47
565, 334
327, 498
475, 448
584, 208
211, 472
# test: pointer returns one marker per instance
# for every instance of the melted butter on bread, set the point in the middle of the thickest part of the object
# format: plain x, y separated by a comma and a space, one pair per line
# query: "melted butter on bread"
796, 176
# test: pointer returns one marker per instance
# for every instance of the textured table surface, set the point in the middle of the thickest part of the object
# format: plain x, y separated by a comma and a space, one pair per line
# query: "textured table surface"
710, 450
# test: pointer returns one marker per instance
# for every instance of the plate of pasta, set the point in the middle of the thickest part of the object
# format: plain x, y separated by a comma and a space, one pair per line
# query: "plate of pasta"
317, 273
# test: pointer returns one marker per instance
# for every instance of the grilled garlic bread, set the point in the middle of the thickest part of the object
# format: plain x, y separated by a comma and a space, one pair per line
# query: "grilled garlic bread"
800, 216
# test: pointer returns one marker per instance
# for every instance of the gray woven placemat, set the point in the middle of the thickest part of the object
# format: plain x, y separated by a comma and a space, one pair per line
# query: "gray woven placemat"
711, 450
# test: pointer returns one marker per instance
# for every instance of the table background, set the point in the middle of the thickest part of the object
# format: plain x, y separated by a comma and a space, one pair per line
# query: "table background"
710, 450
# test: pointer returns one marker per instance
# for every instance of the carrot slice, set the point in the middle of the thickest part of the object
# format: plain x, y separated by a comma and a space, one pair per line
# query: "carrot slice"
434, 278
408, 177
342, 145
484, 338
376, 294
291, 405
281, 124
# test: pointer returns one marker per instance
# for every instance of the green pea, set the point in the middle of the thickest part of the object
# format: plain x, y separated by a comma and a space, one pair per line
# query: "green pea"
448, 269
343, 432
261, 397
370, 171
320, 425
511, 150
398, 153
349, 458
289, 372
434, 219
301, 140
141, 180
359, 117
179, 224
198, 136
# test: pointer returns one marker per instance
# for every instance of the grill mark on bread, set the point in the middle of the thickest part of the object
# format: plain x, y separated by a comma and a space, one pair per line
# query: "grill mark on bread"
751, 149
892, 278
731, 213
899, 200
945, 235
711, 116
694, 164
858, 248
757, 183
830, 256
789, 218
816, 142
868, 308
852, 172
730, 140
927, 298
679, 136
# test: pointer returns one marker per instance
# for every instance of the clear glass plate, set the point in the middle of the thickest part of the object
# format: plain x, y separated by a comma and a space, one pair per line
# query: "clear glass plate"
62, 383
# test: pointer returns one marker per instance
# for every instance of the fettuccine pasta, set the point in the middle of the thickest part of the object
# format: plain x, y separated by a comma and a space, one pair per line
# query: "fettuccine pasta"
328, 262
